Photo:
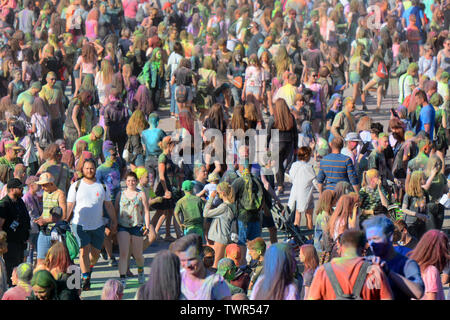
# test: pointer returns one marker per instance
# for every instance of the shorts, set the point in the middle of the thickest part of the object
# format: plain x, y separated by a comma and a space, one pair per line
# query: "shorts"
43, 245
267, 221
89, 237
194, 229
354, 77
248, 231
134, 231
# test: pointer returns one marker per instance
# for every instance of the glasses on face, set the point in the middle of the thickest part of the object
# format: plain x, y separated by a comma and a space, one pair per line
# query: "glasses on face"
52, 79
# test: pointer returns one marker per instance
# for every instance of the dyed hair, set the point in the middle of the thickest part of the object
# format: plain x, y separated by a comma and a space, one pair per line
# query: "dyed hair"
112, 290
325, 203
342, 187
342, 213
233, 251
57, 258
68, 158
279, 269
44, 279
432, 250
257, 244
433, 161
137, 123
164, 282
379, 221
414, 188
311, 258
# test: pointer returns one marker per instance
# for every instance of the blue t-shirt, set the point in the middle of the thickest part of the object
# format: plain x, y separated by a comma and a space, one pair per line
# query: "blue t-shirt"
407, 268
427, 116
151, 138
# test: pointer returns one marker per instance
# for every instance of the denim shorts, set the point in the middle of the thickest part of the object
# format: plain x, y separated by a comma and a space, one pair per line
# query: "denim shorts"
43, 245
86, 237
248, 231
134, 231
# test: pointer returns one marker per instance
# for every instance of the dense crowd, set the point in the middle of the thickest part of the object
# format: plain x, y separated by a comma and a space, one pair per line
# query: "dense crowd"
255, 90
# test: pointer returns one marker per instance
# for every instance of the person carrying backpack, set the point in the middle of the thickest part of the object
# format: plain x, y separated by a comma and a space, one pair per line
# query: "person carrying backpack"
249, 195
350, 276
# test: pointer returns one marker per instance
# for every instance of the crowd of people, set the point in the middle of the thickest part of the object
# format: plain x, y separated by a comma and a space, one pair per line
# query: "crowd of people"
85, 168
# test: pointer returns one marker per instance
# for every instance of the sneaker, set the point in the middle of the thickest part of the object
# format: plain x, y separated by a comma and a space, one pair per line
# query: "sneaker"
113, 262
123, 281
86, 285
130, 274
104, 254
141, 278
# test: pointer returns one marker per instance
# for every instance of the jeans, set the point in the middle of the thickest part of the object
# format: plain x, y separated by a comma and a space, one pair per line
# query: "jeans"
285, 149
57, 128
131, 23
173, 102
236, 94
43, 245
248, 231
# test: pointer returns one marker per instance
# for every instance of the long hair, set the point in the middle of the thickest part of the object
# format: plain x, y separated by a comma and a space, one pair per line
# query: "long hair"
364, 124
432, 250
51, 152
414, 188
89, 54
57, 258
142, 97
342, 213
164, 282
237, 120
279, 268
44, 279
137, 123
112, 290
325, 203
311, 258
281, 61
107, 71
217, 116
187, 120
40, 107
282, 116
433, 161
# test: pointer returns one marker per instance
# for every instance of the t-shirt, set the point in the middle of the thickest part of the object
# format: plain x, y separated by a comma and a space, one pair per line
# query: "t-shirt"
214, 287
95, 147
407, 268
89, 199
151, 138
404, 87
191, 207
290, 292
130, 8
346, 269
432, 280
254, 77
17, 293
427, 116
313, 58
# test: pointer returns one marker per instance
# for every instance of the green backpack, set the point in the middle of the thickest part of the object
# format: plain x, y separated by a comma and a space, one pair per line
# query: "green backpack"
253, 195
72, 245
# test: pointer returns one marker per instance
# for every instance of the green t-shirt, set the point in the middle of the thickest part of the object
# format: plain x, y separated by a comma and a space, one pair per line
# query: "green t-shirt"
191, 207
95, 147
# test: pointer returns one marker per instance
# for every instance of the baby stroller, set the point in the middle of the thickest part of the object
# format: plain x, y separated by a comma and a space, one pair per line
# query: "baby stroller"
284, 221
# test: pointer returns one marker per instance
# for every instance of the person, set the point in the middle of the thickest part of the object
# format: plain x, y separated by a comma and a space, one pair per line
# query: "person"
197, 283
427, 114
344, 272
53, 197
53, 165
191, 207
11, 158
406, 82
112, 290
77, 115
432, 255
284, 122
308, 256
227, 269
436, 189
344, 122
150, 138
332, 171
34, 207
15, 221
213, 179
116, 119
372, 193
277, 282
54, 97
134, 223
223, 215
85, 202
22, 288
403, 273
256, 250
25, 100
164, 282
3, 272
94, 142
303, 179
45, 287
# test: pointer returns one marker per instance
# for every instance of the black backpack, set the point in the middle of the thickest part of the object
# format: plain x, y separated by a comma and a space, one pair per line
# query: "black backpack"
357, 287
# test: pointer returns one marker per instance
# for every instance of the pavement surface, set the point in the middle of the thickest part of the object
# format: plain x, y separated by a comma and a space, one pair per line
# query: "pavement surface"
103, 272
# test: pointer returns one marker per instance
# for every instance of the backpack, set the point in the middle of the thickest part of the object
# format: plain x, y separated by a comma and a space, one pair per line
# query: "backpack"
234, 236
251, 201
72, 245
357, 287
46, 136
382, 70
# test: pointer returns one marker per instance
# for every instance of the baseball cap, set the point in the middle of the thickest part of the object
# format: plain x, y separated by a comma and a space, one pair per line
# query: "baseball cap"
352, 136
46, 178
225, 265
97, 131
166, 6
187, 185
213, 177
14, 183
12, 144
181, 94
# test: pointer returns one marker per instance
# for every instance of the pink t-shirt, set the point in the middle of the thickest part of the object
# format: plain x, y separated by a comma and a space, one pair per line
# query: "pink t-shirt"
86, 67
433, 283
17, 293
130, 8
90, 29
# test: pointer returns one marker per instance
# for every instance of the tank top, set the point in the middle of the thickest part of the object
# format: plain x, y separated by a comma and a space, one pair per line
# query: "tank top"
49, 201
131, 211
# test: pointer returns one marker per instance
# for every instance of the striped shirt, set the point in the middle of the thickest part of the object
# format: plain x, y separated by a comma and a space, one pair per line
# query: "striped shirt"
336, 167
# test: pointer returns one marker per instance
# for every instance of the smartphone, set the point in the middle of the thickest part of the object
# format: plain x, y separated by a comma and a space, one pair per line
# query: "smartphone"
394, 113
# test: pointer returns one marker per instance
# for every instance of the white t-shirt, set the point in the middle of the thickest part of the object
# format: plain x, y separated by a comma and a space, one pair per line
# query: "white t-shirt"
89, 198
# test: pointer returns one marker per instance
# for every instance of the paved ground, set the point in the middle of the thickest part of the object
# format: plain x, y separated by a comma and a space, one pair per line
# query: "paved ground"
103, 272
